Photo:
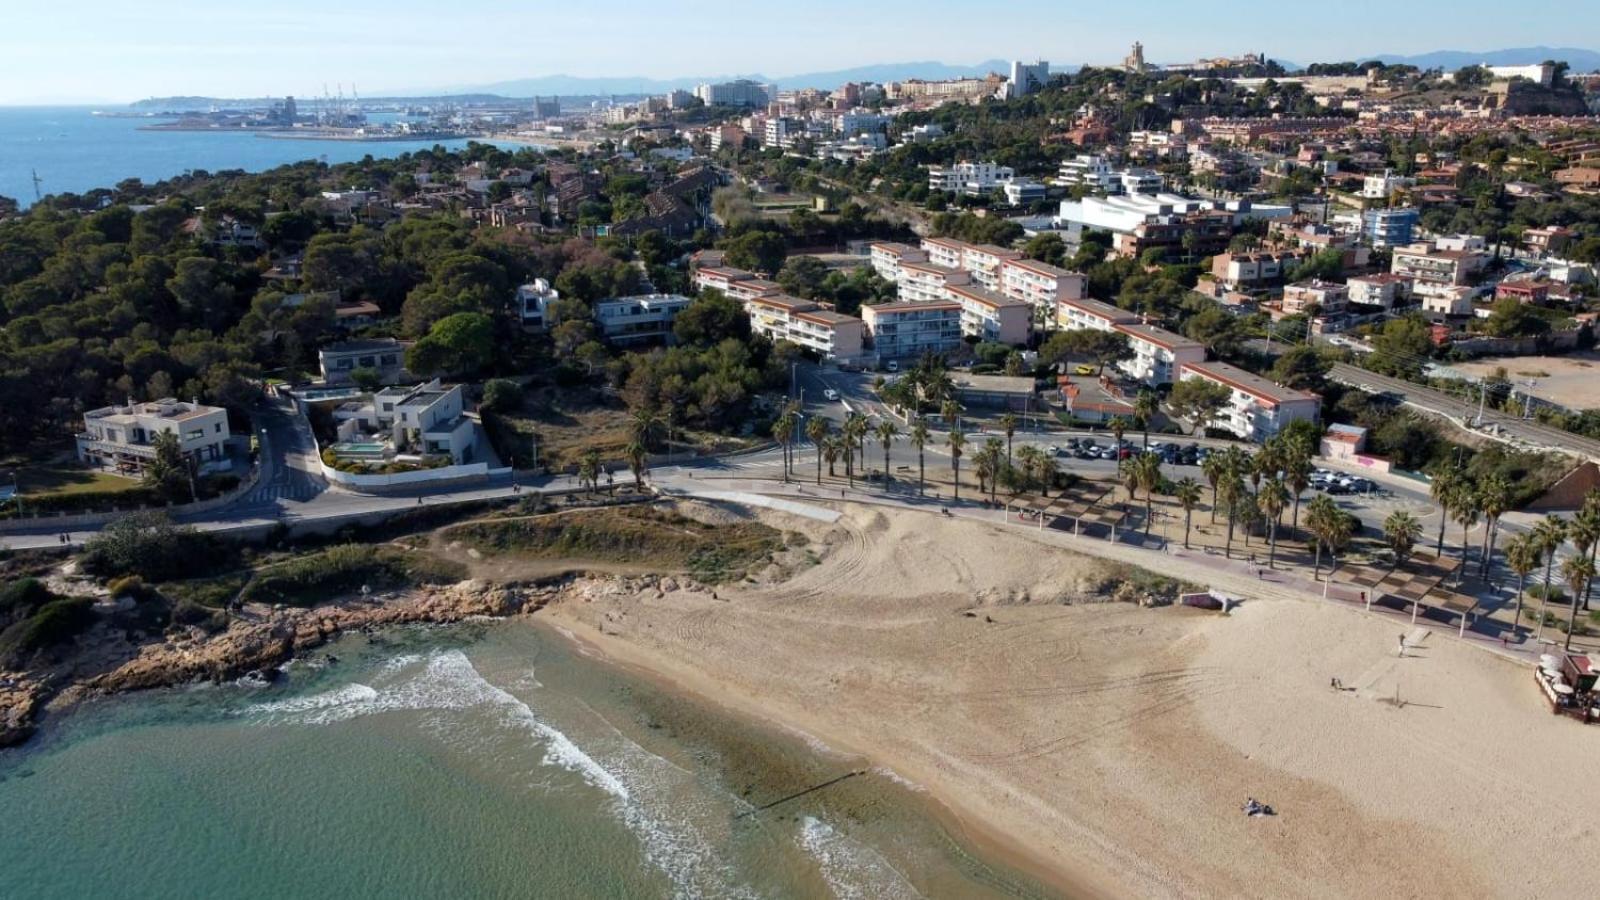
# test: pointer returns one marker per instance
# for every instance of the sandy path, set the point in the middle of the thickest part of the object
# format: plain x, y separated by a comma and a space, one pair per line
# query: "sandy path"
1111, 746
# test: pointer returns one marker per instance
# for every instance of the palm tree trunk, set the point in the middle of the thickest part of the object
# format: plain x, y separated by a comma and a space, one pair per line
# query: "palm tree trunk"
1213, 504
1516, 620
1188, 519
1544, 597
1572, 617
1148, 498
1444, 519
955, 468
886, 467
819, 464
922, 473
1316, 564
1593, 549
1228, 550
1272, 544
1294, 527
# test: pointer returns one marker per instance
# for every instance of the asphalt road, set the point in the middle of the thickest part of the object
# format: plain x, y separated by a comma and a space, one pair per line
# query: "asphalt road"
1496, 425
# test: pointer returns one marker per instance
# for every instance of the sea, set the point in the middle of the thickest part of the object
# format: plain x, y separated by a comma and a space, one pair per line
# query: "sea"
73, 150
480, 760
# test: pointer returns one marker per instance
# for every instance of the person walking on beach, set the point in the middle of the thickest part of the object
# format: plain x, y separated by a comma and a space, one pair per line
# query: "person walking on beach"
1402, 646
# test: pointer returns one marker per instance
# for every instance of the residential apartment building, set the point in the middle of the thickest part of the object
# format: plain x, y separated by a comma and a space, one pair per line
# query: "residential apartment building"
645, 319
1384, 289
1427, 264
1141, 181
1040, 285
1027, 78
972, 179
386, 356
887, 257
1445, 300
925, 282
989, 316
1257, 409
1087, 171
985, 262
1086, 312
746, 93
1254, 271
121, 439
1390, 227
828, 334
908, 330
947, 252
1384, 186
1328, 296
1157, 353
746, 289
720, 278
1023, 192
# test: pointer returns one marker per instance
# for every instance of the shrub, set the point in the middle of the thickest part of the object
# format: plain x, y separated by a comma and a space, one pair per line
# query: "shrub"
1557, 595
321, 576
20, 598
55, 623
151, 546
501, 395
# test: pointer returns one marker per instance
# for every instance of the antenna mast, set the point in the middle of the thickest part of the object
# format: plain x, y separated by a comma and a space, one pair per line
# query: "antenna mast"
37, 196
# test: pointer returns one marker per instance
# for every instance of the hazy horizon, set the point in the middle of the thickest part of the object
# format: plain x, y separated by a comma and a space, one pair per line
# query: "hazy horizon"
119, 55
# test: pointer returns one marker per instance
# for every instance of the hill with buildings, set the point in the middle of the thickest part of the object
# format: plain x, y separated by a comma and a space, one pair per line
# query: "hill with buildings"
1449, 60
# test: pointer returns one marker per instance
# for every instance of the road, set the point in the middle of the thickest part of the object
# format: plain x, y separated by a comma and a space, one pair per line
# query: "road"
1512, 430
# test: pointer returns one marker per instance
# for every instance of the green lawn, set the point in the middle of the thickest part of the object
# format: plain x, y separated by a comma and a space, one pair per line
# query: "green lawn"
62, 479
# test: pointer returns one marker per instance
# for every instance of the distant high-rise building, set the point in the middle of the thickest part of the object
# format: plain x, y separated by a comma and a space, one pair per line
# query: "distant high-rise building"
544, 108
745, 93
1027, 79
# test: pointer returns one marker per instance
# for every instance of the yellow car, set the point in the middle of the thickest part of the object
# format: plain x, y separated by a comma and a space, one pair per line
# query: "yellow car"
1084, 370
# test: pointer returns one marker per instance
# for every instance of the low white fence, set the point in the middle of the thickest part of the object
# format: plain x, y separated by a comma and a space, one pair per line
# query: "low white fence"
467, 471
71, 521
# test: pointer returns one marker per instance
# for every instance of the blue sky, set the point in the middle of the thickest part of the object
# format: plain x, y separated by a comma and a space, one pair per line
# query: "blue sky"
102, 50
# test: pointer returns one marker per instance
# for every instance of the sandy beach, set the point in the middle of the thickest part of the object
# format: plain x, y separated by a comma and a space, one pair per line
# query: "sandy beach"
1108, 747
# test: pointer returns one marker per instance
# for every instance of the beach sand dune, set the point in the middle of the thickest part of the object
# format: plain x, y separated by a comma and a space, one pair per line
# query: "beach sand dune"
1109, 747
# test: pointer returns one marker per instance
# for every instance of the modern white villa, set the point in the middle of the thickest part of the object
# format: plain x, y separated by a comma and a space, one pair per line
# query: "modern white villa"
408, 424
121, 439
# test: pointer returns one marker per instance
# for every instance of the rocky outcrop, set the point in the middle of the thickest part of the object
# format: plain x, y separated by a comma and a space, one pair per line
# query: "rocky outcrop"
18, 701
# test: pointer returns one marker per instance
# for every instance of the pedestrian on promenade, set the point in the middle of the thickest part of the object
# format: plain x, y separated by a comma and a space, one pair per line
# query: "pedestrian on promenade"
1402, 646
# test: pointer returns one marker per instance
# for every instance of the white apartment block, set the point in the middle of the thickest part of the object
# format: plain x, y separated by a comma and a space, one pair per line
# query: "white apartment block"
1426, 263
1085, 170
747, 289
908, 330
720, 278
1257, 409
1330, 297
1086, 312
973, 179
1141, 181
1158, 354
1040, 285
988, 316
828, 334
641, 319
1022, 192
736, 93
1384, 186
888, 256
984, 261
121, 439
1384, 289
926, 282
1027, 78
947, 252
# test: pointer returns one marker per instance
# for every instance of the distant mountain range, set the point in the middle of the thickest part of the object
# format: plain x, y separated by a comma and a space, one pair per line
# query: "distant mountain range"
577, 86
1449, 60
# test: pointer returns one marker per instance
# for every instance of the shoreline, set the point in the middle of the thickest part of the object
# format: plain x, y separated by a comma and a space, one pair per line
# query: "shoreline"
991, 841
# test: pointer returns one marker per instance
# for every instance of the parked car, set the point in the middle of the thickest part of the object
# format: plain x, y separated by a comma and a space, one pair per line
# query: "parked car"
1108, 453
830, 394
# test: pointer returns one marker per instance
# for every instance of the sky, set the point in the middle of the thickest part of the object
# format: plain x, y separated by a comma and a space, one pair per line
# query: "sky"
124, 50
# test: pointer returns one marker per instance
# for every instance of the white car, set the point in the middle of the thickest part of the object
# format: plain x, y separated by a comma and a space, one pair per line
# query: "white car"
830, 394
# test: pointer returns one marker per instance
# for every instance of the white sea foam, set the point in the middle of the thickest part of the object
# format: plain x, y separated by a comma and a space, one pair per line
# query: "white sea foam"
899, 779
660, 803
852, 870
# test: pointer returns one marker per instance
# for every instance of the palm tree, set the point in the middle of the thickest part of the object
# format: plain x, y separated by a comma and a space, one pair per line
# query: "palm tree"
958, 442
1550, 533
589, 470
1463, 503
1147, 474
1584, 533
1008, 424
887, 432
1320, 514
643, 425
1187, 492
1579, 571
1145, 407
832, 446
1401, 531
950, 411
1231, 492
1522, 555
855, 429
1271, 500
1215, 466
1442, 490
1118, 426
817, 430
919, 440
637, 457
995, 449
1297, 475
1494, 498
1033, 462
783, 429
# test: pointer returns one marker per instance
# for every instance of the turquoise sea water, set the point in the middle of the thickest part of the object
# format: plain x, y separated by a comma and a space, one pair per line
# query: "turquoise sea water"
486, 760
75, 151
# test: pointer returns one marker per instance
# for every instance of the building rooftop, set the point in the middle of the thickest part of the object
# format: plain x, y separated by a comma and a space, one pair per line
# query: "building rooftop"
986, 297
1102, 309
881, 308
1158, 336
1248, 382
